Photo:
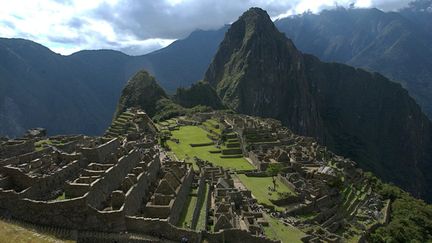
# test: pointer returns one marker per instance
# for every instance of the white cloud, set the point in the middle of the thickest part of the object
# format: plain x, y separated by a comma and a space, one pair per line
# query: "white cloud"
139, 26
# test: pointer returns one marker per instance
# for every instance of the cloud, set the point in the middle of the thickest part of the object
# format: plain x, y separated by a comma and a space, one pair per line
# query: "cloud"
138, 27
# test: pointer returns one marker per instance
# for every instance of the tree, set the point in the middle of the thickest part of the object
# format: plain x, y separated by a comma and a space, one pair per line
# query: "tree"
273, 170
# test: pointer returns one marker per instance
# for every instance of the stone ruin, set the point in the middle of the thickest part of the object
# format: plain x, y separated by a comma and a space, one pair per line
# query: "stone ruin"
118, 188
316, 175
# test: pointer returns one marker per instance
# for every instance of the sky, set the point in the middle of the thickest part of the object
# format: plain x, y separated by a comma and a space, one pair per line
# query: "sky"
140, 26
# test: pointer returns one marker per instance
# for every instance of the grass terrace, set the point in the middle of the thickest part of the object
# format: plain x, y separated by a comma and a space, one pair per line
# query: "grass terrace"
191, 204
39, 145
213, 125
10, 232
278, 231
201, 224
187, 214
259, 188
188, 135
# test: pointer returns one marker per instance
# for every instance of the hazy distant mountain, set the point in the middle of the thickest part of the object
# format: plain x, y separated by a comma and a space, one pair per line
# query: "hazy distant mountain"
33, 79
361, 115
79, 93
389, 43
183, 62
64, 94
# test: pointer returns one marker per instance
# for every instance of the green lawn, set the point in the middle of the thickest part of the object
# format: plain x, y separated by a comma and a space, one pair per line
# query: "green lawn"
12, 232
201, 219
188, 210
194, 134
259, 188
211, 125
278, 231
187, 214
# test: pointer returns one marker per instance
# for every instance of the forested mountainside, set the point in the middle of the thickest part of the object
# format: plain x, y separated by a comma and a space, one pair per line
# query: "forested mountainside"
396, 44
362, 115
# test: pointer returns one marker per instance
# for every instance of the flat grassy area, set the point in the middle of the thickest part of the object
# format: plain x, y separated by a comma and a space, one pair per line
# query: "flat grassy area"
201, 219
10, 232
194, 135
187, 214
278, 231
259, 188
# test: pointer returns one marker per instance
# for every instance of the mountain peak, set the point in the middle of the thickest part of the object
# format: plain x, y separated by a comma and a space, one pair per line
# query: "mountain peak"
255, 13
256, 20
142, 91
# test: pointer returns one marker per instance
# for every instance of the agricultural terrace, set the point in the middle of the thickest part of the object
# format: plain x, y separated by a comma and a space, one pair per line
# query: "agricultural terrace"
279, 231
206, 149
14, 232
261, 188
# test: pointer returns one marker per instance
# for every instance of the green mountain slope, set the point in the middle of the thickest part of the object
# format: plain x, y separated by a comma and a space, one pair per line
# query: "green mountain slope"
79, 93
141, 91
364, 116
392, 43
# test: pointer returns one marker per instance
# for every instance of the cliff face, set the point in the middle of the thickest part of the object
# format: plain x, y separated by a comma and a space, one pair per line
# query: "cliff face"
201, 93
361, 115
258, 71
141, 91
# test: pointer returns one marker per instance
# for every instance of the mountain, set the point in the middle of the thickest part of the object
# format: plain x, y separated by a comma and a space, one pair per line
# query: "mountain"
64, 94
33, 93
183, 62
361, 115
79, 93
141, 90
396, 44
201, 93
420, 13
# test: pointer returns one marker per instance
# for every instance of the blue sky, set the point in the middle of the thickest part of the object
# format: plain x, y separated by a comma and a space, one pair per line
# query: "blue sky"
140, 26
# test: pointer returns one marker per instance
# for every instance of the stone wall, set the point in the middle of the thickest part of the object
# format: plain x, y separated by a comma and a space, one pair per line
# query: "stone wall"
111, 180
287, 183
235, 235
57, 180
181, 197
101, 152
200, 199
65, 213
139, 191
38, 185
16, 147
160, 228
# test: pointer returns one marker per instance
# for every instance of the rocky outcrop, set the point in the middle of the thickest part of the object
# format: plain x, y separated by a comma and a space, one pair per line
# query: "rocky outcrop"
141, 91
201, 93
361, 115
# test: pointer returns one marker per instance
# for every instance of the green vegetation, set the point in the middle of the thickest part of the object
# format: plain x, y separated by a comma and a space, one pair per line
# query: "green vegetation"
195, 135
143, 91
167, 109
201, 225
410, 221
260, 189
187, 214
62, 196
39, 145
278, 231
201, 93
10, 232
193, 202
121, 125
213, 126
273, 170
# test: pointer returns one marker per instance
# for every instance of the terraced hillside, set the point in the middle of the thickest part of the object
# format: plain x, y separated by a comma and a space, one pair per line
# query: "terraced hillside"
206, 177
